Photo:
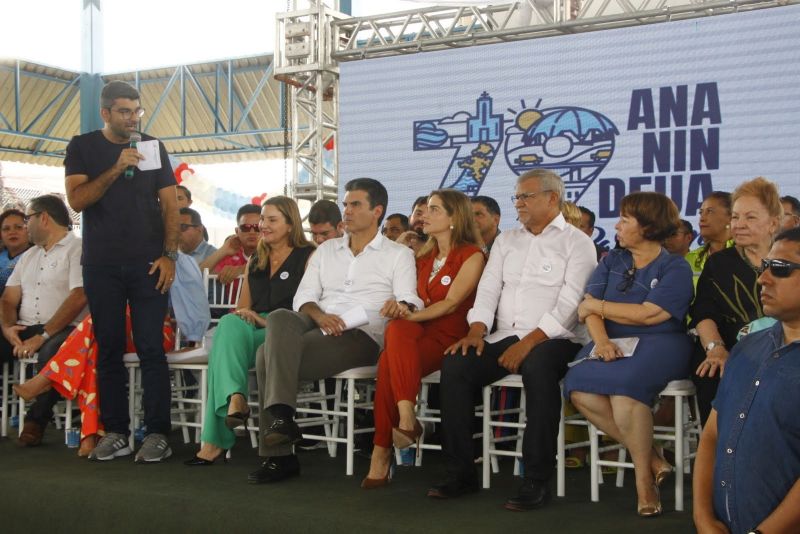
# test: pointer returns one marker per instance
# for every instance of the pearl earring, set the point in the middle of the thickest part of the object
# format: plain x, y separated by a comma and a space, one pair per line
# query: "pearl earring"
452, 227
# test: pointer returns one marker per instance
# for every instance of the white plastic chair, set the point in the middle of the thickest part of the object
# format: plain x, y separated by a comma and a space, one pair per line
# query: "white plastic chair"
491, 452
331, 417
685, 433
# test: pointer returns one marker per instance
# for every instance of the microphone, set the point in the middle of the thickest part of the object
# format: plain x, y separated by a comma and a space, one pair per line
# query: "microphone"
135, 138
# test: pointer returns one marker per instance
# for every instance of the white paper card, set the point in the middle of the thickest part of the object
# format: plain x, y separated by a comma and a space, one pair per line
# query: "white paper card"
151, 153
353, 318
626, 344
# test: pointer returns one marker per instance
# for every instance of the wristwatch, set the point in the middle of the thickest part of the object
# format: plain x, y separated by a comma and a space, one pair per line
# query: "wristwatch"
171, 254
714, 344
754, 531
411, 307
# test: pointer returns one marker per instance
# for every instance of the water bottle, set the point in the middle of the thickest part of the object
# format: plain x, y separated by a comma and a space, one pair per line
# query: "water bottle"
73, 438
15, 421
139, 434
408, 456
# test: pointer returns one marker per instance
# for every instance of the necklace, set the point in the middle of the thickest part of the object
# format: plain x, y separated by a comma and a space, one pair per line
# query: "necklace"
437, 266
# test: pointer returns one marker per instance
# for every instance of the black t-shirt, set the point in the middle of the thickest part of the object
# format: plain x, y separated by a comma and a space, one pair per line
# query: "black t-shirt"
268, 294
125, 225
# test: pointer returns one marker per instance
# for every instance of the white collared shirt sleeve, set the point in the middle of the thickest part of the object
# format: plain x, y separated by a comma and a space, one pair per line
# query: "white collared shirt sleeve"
490, 286
310, 288
561, 320
405, 279
75, 268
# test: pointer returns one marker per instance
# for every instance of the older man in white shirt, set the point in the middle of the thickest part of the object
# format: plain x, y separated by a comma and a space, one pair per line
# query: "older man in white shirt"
532, 285
361, 275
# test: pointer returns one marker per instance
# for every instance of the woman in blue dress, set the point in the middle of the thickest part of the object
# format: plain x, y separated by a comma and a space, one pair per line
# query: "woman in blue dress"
641, 291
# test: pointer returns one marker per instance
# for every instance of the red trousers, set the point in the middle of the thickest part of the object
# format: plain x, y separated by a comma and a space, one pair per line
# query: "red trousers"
411, 351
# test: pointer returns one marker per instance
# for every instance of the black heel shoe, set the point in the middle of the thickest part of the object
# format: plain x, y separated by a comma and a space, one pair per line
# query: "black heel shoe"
237, 419
197, 461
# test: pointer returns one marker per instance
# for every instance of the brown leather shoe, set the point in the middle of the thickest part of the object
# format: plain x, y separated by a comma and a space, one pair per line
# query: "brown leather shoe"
31, 436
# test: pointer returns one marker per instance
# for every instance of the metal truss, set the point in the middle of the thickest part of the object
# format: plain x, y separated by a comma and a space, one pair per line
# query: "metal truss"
439, 28
303, 61
207, 109
207, 104
50, 112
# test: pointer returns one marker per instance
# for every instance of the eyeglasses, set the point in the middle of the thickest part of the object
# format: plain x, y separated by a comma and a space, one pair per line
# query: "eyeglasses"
249, 228
126, 113
779, 268
627, 280
27, 218
185, 227
525, 196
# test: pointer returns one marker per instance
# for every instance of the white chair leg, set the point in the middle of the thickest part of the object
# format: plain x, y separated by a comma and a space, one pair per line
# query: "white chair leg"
351, 400
132, 405
203, 402
679, 453
5, 401
622, 455
594, 469
487, 433
180, 392
560, 460
21, 401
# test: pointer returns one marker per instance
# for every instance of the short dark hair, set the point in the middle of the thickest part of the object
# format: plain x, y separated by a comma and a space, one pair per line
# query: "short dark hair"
792, 234
193, 215
655, 212
247, 209
324, 211
117, 89
54, 207
589, 213
185, 191
723, 197
420, 200
793, 202
376, 193
403, 219
687, 227
8, 213
489, 203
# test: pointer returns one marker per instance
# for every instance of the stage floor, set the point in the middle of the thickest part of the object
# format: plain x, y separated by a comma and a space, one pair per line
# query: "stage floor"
49, 488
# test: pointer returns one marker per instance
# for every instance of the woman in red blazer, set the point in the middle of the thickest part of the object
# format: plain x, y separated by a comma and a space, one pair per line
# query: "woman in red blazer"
448, 269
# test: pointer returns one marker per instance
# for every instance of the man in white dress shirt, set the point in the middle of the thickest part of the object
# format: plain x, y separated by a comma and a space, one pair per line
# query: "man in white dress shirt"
43, 301
532, 285
362, 273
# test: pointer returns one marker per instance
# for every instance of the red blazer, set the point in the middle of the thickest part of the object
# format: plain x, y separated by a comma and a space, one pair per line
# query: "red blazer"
455, 323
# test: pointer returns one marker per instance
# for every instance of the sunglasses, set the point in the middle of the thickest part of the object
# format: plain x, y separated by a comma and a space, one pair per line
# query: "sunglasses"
185, 227
249, 228
779, 268
627, 280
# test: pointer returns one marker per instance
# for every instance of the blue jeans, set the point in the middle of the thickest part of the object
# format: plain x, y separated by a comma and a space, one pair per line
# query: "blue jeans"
108, 289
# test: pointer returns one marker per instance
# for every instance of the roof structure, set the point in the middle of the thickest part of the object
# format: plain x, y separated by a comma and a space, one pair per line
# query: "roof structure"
220, 111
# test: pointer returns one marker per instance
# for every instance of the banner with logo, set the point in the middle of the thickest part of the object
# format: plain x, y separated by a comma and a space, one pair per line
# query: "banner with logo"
684, 108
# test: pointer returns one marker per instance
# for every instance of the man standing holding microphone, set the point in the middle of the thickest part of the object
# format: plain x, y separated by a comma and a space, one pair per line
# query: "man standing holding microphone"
130, 245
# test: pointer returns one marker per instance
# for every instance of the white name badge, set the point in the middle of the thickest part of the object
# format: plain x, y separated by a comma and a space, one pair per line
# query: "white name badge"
653, 283
547, 267
284, 275
446, 280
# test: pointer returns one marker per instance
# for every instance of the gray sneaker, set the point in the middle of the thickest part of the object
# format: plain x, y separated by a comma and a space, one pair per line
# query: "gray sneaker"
110, 446
155, 448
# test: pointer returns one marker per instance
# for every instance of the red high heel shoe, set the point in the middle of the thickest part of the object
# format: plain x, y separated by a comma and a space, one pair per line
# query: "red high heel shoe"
403, 439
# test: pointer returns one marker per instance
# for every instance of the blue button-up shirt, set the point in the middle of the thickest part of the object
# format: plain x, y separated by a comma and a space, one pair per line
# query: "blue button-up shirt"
202, 251
758, 423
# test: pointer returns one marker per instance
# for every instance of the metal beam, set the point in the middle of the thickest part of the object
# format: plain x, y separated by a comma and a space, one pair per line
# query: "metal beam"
441, 28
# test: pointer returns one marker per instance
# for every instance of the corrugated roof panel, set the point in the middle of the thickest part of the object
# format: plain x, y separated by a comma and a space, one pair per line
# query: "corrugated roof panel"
203, 143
